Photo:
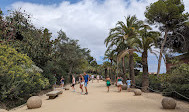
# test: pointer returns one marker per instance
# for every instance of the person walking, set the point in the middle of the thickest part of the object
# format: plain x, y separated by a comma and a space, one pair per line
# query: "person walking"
128, 84
62, 82
92, 77
81, 83
98, 78
108, 83
119, 83
73, 83
86, 78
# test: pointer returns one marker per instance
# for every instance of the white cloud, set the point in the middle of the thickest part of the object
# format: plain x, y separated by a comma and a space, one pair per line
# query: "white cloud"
88, 20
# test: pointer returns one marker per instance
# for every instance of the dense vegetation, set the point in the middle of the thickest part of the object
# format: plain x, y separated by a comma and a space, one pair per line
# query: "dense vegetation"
135, 35
19, 78
30, 58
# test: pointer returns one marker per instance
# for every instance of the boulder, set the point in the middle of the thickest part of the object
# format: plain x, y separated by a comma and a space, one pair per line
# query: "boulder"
3, 110
34, 102
137, 92
168, 103
124, 87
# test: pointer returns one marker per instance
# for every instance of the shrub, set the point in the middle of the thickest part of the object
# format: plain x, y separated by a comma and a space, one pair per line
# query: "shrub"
178, 80
138, 79
18, 78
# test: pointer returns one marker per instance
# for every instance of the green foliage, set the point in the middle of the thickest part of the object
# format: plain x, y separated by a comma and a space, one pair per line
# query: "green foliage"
16, 80
138, 79
32, 46
178, 80
169, 13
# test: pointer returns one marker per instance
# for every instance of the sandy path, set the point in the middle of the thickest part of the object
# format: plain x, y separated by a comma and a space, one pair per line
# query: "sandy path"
98, 100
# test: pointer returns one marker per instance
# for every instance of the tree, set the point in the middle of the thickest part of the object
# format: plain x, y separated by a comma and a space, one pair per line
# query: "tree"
106, 66
110, 55
70, 52
143, 43
168, 14
120, 35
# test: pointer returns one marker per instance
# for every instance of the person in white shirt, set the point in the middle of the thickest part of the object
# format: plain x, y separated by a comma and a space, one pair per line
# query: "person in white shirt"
81, 82
92, 77
73, 83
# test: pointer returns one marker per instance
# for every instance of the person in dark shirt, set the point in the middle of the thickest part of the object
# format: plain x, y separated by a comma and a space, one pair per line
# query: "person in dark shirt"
86, 78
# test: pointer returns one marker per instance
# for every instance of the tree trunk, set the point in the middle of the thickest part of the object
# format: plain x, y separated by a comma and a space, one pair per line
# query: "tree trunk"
111, 71
131, 67
105, 72
160, 54
124, 71
69, 74
145, 76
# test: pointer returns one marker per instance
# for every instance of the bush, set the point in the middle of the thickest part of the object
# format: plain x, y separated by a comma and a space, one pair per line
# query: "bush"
178, 80
18, 77
138, 79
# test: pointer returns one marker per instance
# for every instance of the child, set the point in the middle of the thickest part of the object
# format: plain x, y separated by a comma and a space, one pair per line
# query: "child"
128, 84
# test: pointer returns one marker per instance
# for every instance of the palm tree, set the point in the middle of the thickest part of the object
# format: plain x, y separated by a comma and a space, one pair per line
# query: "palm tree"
119, 37
143, 43
106, 65
110, 55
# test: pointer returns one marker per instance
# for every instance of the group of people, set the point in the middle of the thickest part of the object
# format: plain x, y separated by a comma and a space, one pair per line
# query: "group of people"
93, 77
119, 83
83, 80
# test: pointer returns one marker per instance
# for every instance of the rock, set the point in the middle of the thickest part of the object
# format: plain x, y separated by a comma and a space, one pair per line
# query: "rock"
124, 87
3, 110
34, 102
168, 103
66, 88
137, 92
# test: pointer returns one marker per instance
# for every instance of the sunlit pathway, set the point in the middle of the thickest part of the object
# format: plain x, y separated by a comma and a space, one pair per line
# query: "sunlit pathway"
98, 100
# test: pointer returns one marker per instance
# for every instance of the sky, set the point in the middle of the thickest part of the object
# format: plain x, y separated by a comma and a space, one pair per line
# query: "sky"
89, 21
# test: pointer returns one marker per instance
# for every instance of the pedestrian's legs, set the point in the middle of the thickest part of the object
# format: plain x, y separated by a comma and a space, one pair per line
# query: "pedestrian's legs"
86, 88
120, 88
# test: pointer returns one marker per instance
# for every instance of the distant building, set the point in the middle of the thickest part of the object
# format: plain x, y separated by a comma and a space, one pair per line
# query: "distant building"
171, 62
152, 72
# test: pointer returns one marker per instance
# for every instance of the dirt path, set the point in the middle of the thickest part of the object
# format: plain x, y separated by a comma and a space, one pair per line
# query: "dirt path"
98, 100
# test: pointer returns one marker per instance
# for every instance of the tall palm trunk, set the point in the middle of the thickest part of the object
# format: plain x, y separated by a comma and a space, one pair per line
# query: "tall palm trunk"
161, 50
131, 67
145, 76
105, 72
124, 71
111, 71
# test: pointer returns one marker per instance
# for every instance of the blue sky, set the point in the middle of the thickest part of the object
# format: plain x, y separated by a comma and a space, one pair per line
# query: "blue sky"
89, 21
